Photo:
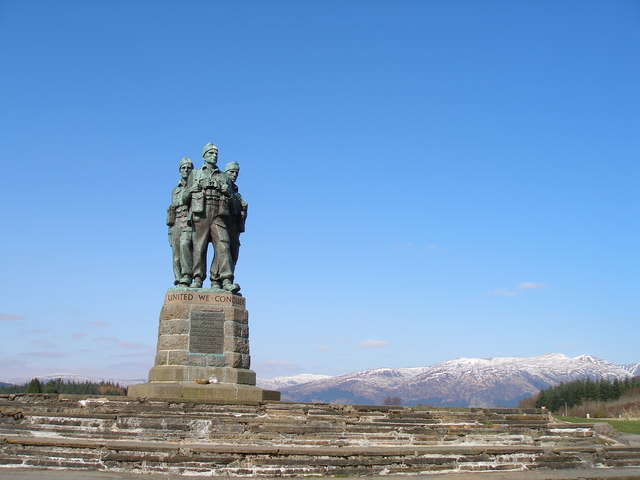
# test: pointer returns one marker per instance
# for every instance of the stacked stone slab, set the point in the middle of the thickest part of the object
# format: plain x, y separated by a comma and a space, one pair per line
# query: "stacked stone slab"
286, 439
203, 349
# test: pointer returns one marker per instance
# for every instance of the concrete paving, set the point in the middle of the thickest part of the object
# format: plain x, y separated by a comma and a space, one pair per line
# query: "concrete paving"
578, 474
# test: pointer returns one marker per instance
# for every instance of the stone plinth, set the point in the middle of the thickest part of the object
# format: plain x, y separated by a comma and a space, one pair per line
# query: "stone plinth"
203, 336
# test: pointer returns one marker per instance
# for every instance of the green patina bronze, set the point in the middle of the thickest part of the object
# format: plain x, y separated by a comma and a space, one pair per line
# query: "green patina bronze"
206, 208
237, 212
180, 234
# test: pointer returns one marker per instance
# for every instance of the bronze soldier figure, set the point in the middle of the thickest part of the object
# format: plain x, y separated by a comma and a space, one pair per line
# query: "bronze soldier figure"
208, 192
237, 212
180, 233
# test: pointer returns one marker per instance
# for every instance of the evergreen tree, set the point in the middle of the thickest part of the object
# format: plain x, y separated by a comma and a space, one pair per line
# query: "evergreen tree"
34, 386
52, 386
574, 393
616, 389
591, 391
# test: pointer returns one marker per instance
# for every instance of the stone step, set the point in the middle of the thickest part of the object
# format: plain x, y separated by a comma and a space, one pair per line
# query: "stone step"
621, 457
124, 403
273, 461
279, 438
185, 428
283, 423
333, 417
334, 423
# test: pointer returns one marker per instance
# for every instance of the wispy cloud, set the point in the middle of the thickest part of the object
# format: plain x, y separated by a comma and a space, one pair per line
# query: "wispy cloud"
11, 317
530, 285
503, 291
44, 343
14, 367
10, 362
78, 336
373, 343
46, 354
99, 324
513, 292
123, 343
323, 348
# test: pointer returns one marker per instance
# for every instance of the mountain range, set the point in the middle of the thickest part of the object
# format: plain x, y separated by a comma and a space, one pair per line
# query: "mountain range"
462, 382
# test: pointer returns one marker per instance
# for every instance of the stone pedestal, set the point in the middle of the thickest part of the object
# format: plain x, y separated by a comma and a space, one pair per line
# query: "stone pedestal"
203, 336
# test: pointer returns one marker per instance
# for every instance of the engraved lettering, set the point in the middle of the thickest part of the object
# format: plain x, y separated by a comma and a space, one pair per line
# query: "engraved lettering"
179, 296
207, 332
210, 298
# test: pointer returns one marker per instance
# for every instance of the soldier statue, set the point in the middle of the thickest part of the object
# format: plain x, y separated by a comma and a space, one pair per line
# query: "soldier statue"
237, 212
180, 233
207, 193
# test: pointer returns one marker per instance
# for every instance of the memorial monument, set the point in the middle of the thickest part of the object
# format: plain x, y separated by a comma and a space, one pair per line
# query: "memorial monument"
203, 333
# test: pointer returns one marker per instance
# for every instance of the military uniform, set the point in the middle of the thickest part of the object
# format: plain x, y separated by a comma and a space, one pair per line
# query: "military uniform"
180, 236
209, 205
237, 217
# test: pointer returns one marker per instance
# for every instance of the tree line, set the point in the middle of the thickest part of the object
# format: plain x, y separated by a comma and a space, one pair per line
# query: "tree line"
570, 394
72, 387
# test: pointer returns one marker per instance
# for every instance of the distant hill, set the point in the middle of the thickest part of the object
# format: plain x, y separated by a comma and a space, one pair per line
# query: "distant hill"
72, 377
462, 382
284, 382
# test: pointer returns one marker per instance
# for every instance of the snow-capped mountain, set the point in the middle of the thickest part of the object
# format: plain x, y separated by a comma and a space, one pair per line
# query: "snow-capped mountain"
279, 383
472, 382
461, 382
633, 368
358, 387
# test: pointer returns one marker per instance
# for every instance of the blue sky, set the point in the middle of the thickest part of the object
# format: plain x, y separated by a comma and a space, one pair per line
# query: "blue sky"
426, 180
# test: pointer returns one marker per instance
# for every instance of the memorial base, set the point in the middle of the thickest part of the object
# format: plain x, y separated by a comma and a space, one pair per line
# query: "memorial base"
217, 392
203, 350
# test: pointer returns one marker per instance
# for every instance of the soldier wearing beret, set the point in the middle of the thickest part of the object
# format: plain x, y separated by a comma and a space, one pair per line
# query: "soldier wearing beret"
208, 192
180, 236
237, 212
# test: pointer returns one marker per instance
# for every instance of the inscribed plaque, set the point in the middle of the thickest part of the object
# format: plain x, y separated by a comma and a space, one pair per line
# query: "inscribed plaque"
207, 332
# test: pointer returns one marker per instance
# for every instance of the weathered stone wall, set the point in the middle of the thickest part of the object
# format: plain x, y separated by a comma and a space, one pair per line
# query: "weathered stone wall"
285, 439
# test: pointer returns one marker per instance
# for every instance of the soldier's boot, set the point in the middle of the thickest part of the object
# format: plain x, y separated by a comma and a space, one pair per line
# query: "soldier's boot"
215, 284
229, 286
185, 281
197, 282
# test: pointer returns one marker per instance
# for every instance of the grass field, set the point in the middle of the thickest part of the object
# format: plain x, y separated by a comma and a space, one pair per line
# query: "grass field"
625, 426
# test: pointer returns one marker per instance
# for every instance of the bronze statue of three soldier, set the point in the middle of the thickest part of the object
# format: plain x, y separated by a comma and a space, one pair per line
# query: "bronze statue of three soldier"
206, 208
